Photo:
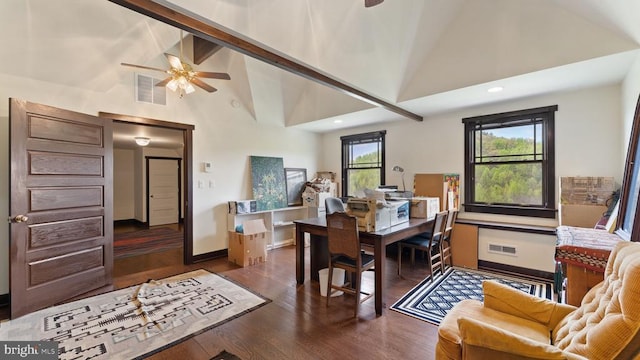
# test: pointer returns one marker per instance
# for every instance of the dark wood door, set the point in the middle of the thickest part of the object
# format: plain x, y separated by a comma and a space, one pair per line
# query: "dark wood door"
61, 205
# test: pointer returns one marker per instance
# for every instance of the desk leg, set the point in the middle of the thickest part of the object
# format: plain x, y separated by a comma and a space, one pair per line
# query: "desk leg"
299, 255
319, 255
380, 254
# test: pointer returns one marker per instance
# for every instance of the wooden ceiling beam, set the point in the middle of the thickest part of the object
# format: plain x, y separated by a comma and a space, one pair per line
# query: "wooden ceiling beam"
198, 26
203, 49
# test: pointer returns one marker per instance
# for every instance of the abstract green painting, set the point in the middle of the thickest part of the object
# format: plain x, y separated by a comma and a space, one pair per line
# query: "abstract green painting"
268, 182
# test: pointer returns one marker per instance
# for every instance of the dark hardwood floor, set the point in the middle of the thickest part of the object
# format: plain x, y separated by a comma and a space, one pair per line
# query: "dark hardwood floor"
136, 264
296, 324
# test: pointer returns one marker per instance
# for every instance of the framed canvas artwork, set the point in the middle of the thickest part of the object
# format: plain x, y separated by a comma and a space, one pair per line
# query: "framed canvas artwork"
296, 178
268, 182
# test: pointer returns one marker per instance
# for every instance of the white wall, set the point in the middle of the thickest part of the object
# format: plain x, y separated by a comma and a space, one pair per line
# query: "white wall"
123, 184
588, 135
223, 135
630, 92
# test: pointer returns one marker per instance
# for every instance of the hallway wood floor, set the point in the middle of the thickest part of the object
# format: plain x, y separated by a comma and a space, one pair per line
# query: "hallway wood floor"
297, 324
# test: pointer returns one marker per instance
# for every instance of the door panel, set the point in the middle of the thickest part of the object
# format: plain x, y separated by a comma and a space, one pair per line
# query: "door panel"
164, 191
61, 171
54, 198
64, 164
50, 269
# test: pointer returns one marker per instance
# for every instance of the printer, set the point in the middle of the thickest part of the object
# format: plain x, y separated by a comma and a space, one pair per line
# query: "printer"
375, 214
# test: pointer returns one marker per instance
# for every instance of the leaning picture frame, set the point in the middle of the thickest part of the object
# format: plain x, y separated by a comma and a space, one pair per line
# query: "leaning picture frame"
295, 180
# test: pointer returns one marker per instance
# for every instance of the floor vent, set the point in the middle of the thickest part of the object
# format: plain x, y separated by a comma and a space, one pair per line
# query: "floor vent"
147, 92
503, 249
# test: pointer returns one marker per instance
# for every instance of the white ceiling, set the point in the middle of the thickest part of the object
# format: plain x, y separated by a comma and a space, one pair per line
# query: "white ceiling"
427, 56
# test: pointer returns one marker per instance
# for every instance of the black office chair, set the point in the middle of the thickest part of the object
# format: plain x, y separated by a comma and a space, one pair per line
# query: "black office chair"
430, 245
333, 204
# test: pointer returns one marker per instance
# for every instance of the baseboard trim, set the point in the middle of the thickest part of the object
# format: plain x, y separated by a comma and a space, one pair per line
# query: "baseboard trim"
5, 300
210, 255
515, 270
134, 222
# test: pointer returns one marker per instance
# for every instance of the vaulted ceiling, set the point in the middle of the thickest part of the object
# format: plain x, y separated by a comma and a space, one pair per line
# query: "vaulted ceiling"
427, 56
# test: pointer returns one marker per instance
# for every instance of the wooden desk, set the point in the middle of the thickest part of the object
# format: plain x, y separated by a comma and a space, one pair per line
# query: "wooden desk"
378, 240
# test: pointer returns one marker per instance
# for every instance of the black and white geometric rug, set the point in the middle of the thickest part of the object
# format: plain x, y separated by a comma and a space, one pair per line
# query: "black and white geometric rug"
137, 321
430, 301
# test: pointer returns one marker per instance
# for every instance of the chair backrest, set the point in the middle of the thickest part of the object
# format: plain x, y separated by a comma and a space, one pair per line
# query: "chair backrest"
342, 234
333, 204
607, 323
451, 220
439, 226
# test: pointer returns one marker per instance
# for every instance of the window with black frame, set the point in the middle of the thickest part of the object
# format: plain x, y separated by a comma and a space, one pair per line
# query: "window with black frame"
628, 228
362, 162
509, 163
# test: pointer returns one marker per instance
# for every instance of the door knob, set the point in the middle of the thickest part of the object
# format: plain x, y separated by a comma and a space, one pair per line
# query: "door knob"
19, 218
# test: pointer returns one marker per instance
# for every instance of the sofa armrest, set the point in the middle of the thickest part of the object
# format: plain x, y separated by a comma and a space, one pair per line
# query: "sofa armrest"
477, 337
508, 300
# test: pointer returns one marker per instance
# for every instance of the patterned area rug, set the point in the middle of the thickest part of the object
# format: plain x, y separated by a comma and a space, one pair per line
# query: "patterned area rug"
430, 301
146, 241
137, 321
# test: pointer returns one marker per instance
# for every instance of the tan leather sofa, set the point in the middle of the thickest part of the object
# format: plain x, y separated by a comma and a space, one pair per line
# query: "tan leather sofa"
511, 324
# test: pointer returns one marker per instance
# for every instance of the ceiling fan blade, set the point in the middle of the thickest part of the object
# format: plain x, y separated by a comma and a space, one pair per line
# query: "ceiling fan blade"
370, 3
164, 82
174, 61
143, 67
213, 75
203, 85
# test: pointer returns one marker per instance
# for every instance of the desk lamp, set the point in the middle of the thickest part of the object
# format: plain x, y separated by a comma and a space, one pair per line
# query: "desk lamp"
401, 171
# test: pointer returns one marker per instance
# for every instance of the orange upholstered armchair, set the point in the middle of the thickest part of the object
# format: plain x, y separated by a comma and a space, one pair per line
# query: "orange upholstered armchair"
511, 324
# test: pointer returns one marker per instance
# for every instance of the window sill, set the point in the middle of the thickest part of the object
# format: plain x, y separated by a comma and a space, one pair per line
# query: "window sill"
495, 225
511, 210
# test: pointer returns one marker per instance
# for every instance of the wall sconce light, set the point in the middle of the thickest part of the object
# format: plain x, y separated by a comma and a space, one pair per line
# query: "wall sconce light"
401, 171
142, 141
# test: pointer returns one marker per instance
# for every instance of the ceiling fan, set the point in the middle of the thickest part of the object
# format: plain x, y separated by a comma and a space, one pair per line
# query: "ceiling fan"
182, 76
370, 3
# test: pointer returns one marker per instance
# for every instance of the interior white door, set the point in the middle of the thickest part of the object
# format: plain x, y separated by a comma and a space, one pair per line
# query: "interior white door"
164, 191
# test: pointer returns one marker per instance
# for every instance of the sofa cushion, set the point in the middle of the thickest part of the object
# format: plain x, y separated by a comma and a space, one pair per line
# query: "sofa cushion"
449, 337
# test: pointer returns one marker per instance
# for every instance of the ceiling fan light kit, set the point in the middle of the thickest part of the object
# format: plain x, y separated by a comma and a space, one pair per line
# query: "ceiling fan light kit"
142, 141
182, 77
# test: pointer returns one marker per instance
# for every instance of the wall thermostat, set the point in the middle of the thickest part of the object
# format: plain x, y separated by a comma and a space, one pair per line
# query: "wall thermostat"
207, 166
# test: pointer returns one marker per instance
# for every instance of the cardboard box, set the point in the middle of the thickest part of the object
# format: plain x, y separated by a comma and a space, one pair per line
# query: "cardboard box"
315, 199
424, 207
446, 187
586, 216
586, 190
250, 247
